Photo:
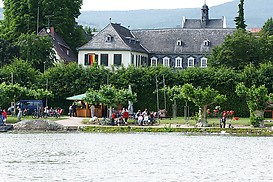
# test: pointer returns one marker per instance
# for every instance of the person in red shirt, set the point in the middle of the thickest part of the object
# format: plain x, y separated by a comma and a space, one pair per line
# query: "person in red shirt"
4, 114
113, 118
126, 116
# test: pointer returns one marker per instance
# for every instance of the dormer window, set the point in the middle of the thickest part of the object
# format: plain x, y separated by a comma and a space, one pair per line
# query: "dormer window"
109, 38
206, 42
179, 43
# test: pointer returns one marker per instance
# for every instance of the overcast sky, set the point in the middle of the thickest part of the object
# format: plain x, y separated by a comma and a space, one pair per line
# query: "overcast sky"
144, 4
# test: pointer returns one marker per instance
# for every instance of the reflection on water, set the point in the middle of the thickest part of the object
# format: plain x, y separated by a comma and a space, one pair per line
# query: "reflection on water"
134, 157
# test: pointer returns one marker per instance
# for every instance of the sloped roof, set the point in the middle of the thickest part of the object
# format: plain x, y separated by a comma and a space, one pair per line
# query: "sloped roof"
60, 46
164, 41
123, 39
197, 24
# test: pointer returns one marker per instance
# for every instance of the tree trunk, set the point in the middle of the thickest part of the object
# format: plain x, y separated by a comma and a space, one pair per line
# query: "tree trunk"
204, 120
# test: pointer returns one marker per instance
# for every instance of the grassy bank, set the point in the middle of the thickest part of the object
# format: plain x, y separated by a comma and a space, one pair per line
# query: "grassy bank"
207, 130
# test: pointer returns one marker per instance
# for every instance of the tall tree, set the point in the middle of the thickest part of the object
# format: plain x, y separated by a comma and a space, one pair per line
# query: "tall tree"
37, 50
268, 26
28, 16
7, 52
240, 19
237, 51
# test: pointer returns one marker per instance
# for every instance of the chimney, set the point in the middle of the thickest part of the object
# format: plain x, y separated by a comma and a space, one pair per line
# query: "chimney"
52, 33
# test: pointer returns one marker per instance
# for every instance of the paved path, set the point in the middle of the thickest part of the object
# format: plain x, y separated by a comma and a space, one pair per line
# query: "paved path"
71, 121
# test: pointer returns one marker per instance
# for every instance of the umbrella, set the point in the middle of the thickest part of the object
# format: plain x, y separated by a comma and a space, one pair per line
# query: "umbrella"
76, 97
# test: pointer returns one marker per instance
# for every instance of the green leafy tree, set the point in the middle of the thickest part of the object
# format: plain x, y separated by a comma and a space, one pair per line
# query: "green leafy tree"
240, 19
237, 51
20, 72
124, 96
7, 52
257, 99
201, 98
37, 50
268, 26
11, 93
26, 16
92, 97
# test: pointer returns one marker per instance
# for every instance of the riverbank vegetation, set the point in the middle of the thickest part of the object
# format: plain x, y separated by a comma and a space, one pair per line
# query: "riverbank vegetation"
26, 72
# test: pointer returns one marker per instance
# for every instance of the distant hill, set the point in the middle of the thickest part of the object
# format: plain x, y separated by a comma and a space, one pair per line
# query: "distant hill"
256, 14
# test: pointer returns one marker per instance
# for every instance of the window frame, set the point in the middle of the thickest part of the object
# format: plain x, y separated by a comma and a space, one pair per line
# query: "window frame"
191, 60
180, 61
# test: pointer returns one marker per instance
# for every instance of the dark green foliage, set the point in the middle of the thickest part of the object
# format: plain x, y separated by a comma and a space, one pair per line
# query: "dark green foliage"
268, 26
241, 49
7, 52
240, 19
37, 50
30, 16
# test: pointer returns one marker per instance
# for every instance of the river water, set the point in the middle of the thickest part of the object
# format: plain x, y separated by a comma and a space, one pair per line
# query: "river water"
47, 157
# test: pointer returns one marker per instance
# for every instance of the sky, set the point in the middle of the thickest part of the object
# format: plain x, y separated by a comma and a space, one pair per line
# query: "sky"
98, 5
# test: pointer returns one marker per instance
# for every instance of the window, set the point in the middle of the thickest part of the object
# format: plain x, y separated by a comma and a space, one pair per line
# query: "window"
117, 59
89, 59
166, 61
108, 38
191, 62
179, 43
178, 62
204, 62
206, 42
153, 61
104, 59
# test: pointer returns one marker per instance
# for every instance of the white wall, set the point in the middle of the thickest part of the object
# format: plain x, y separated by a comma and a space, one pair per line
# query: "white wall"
126, 56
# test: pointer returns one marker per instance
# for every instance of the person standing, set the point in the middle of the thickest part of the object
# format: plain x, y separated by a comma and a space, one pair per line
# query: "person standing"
74, 109
126, 116
70, 110
92, 111
20, 113
5, 116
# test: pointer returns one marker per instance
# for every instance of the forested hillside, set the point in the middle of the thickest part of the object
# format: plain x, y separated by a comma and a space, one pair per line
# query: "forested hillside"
256, 13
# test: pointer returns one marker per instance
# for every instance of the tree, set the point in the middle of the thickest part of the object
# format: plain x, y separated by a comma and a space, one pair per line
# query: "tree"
201, 98
28, 16
37, 50
258, 99
92, 97
238, 50
124, 96
268, 26
240, 19
20, 72
7, 52
10, 93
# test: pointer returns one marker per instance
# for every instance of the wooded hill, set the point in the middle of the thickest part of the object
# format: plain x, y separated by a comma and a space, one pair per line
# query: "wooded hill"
256, 14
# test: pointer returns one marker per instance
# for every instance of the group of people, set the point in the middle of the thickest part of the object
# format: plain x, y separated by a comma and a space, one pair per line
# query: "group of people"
145, 118
72, 110
120, 117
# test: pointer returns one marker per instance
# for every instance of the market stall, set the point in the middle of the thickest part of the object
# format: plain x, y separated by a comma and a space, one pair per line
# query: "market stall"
83, 109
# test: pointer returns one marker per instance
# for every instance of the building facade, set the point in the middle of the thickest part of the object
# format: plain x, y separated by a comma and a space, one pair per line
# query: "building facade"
184, 47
